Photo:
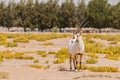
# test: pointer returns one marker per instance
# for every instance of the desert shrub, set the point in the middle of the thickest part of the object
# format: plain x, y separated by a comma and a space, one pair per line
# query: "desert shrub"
88, 36
32, 36
62, 53
25, 57
51, 52
46, 67
10, 35
42, 53
1, 58
91, 61
11, 44
3, 42
7, 54
58, 61
113, 42
92, 55
14, 35
83, 67
112, 50
47, 61
112, 56
36, 66
108, 37
103, 69
41, 38
93, 47
48, 44
112, 38
44, 37
15, 55
2, 38
36, 61
21, 39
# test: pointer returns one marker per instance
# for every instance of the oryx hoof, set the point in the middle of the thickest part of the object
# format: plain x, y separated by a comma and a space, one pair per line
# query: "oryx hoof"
76, 70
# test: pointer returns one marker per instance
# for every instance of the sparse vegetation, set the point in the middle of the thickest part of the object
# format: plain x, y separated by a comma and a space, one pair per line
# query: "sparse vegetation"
112, 56
91, 61
58, 61
113, 42
36, 61
62, 53
48, 44
104, 69
11, 44
3, 40
51, 52
21, 39
42, 53
47, 61
92, 51
1, 58
25, 57
92, 55
36, 66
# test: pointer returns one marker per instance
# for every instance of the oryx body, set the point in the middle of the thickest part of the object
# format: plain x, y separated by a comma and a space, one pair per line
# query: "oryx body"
75, 48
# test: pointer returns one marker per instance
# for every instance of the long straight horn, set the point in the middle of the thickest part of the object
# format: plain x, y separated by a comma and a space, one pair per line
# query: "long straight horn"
83, 22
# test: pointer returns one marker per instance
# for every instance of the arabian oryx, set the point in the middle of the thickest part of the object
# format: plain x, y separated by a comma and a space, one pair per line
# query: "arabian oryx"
76, 49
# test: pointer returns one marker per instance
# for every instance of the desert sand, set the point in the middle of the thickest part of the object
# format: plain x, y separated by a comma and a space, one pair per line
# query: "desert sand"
19, 69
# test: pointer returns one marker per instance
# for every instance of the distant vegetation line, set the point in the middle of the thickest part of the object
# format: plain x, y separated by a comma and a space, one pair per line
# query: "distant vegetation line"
50, 15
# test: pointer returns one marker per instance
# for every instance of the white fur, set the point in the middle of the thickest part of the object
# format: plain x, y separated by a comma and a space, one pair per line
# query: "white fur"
75, 47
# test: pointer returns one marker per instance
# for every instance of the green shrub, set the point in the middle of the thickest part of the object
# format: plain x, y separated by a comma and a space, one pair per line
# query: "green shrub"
47, 61
7, 54
48, 44
36, 66
25, 57
113, 42
51, 52
93, 47
112, 56
112, 50
91, 61
58, 61
46, 67
42, 53
92, 55
36, 61
11, 44
10, 35
104, 69
1, 58
2, 38
3, 42
21, 39
62, 53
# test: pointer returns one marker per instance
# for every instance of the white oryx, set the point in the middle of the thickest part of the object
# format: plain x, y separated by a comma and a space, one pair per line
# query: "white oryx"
75, 49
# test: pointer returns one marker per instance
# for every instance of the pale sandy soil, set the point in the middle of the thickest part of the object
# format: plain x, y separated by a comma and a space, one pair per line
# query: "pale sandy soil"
19, 69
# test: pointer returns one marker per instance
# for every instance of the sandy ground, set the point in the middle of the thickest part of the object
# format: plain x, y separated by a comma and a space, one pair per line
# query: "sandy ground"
18, 69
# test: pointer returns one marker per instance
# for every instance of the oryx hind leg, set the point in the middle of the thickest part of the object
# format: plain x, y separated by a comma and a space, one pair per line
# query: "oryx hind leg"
80, 63
70, 62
